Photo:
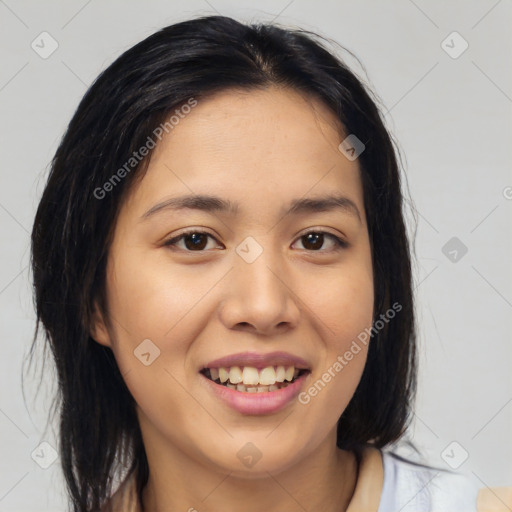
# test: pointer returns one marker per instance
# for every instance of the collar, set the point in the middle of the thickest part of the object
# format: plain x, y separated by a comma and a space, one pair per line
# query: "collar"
370, 480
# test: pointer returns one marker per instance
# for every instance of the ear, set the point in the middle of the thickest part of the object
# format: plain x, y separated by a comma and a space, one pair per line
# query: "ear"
97, 329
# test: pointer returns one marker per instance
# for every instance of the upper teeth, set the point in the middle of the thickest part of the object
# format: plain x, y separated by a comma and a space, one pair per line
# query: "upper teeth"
251, 376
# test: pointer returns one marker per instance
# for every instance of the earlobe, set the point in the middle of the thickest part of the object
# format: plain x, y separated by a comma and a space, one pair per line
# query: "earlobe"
97, 329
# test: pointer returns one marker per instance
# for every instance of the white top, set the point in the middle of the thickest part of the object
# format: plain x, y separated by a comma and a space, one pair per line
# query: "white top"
409, 487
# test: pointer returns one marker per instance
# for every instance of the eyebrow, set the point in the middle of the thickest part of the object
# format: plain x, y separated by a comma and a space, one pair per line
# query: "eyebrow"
208, 203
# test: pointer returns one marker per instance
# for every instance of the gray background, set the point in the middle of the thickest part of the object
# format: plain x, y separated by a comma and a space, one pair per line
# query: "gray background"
452, 119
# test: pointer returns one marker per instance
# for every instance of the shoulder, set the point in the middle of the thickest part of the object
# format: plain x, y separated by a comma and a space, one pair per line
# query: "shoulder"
411, 486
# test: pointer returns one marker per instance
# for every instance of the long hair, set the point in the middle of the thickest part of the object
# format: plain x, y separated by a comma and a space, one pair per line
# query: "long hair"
73, 230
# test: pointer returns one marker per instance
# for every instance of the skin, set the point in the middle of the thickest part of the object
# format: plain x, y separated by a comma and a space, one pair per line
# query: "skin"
262, 149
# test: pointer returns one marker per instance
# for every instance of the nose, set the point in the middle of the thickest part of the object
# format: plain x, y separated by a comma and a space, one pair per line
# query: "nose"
259, 297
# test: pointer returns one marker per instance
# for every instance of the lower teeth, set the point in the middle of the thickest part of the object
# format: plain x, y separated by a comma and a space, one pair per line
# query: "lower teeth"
254, 389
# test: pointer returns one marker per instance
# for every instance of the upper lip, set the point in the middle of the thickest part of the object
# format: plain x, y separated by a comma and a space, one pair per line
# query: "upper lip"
259, 360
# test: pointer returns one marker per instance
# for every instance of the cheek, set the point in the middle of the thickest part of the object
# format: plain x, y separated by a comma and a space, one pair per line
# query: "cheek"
152, 298
343, 304
155, 314
343, 308
351, 315
155, 310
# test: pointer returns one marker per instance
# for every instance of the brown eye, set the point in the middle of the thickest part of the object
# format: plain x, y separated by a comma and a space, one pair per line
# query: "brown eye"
195, 241
314, 241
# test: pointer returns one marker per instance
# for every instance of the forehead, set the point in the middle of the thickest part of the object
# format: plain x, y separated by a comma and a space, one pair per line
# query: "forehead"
269, 117
264, 146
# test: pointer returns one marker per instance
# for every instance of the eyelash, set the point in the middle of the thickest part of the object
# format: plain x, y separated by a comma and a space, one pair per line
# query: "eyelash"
339, 243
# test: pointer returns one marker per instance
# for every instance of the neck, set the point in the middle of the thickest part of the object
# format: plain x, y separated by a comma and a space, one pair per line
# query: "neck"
323, 480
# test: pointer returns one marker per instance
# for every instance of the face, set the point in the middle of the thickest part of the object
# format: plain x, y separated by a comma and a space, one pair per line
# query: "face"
249, 290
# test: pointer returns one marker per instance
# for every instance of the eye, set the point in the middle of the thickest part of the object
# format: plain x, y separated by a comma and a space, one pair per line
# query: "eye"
315, 240
196, 241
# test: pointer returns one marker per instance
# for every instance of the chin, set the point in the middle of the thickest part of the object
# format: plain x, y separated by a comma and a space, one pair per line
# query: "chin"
256, 459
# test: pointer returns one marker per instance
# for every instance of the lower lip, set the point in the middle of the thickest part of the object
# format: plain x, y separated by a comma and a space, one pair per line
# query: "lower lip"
266, 402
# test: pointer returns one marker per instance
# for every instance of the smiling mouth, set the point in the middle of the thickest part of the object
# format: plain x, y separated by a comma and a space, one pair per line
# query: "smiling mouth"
248, 379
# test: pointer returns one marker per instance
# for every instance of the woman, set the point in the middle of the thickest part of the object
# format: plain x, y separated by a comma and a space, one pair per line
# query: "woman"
222, 271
